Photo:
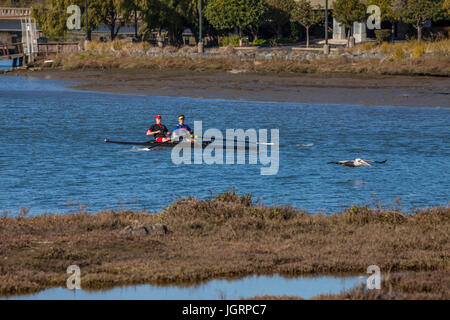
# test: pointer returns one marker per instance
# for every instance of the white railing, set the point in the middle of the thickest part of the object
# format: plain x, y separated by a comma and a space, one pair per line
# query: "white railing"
14, 12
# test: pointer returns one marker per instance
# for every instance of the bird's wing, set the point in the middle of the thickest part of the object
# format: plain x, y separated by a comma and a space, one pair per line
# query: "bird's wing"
343, 162
373, 161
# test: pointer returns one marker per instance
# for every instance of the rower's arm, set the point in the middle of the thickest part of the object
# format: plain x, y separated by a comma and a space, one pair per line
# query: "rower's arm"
151, 133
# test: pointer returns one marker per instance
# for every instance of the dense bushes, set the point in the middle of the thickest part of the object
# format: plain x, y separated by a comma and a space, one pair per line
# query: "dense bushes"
230, 40
383, 35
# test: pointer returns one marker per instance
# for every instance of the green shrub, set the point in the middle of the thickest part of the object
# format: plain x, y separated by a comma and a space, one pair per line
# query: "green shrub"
284, 41
259, 42
383, 35
230, 40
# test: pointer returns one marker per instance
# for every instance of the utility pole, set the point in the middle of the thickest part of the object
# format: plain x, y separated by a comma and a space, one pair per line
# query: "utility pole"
88, 34
200, 35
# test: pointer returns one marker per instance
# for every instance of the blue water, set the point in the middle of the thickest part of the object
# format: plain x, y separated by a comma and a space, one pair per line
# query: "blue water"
215, 289
5, 64
52, 155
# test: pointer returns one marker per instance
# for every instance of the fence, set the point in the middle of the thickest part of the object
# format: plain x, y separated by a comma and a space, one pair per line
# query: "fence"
10, 51
45, 49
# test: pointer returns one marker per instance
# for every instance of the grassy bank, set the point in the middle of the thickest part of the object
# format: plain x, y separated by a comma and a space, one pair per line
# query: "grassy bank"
227, 236
403, 49
411, 58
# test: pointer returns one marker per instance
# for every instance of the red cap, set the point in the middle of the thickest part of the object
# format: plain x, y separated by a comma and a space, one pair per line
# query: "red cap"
158, 116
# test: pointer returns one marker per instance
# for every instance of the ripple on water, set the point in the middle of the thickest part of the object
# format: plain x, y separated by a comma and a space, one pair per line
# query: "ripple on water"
53, 151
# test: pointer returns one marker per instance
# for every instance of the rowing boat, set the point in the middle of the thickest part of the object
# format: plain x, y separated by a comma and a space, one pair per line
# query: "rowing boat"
170, 144
153, 143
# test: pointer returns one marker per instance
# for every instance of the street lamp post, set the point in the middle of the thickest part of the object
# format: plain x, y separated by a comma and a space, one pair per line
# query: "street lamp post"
200, 35
326, 47
88, 36
326, 22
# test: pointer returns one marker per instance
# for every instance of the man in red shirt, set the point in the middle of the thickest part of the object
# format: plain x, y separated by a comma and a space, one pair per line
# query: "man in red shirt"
159, 131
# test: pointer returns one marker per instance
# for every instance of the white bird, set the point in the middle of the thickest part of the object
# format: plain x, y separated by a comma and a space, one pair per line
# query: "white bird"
355, 163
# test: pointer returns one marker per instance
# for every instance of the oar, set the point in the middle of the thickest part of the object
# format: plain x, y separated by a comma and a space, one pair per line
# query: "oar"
158, 144
136, 143
129, 143
239, 141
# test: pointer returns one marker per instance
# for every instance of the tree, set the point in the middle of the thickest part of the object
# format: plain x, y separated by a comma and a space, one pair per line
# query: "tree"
188, 10
387, 13
163, 14
278, 14
112, 13
347, 12
307, 16
134, 7
240, 14
418, 12
446, 6
52, 16
16, 3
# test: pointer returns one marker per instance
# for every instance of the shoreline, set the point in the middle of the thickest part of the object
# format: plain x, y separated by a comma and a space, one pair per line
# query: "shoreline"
345, 89
228, 236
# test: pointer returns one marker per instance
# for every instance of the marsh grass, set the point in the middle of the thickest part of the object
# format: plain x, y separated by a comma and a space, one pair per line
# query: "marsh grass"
395, 64
402, 58
436, 48
226, 236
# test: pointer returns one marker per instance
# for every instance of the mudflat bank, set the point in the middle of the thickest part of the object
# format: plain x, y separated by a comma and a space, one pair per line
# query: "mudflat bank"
225, 236
357, 89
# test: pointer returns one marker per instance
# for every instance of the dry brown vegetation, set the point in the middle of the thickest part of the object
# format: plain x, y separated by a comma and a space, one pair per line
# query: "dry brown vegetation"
228, 236
401, 58
413, 48
396, 64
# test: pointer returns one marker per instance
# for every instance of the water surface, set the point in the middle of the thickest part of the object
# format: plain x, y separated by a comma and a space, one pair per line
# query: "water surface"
215, 289
52, 155
5, 64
